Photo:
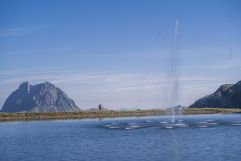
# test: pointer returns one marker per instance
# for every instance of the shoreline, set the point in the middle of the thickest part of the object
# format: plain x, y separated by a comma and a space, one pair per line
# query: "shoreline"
108, 114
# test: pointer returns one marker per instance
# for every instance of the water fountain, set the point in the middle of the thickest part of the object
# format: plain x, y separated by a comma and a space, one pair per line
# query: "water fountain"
173, 74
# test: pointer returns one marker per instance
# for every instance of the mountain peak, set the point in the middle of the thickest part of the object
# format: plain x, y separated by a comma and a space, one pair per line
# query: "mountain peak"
226, 96
48, 84
43, 97
24, 85
223, 89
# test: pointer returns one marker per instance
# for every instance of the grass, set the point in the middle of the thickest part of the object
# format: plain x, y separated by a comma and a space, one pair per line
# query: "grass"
76, 115
107, 114
211, 110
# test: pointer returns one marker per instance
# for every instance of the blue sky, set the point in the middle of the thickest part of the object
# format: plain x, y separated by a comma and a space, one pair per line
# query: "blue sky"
118, 52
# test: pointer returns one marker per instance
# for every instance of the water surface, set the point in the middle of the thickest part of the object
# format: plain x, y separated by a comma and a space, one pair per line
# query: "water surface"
200, 137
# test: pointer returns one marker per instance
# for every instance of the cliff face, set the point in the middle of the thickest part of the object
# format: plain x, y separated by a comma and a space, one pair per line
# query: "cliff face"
44, 97
227, 96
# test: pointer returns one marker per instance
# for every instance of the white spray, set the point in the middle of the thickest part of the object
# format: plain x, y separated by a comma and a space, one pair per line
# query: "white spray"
174, 74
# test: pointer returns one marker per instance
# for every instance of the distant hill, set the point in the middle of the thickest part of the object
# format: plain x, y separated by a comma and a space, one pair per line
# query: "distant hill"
226, 96
177, 107
44, 97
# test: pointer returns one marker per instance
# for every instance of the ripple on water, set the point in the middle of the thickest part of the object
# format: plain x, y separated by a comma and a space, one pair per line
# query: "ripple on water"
236, 124
135, 126
209, 120
169, 127
238, 121
128, 128
181, 125
164, 124
114, 127
148, 121
212, 123
202, 122
203, 126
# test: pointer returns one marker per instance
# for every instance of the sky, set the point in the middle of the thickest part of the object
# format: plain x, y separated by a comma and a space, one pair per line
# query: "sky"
120, 52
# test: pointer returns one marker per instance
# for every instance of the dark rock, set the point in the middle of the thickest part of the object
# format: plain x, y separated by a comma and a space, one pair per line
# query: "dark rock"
226, 96
44, 97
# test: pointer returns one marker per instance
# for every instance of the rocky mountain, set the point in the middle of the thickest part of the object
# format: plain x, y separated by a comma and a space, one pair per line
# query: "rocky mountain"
44, 97
226, 96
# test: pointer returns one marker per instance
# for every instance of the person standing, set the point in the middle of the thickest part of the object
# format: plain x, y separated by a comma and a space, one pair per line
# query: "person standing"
100, 107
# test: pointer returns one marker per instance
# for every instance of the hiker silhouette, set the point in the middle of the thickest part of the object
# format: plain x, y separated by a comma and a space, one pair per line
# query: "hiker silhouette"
100, 107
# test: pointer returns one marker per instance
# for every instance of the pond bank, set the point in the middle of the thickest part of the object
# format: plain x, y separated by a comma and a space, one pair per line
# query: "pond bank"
108, 114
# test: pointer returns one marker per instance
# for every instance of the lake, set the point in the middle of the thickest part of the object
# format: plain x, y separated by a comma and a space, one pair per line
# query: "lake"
191, 138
